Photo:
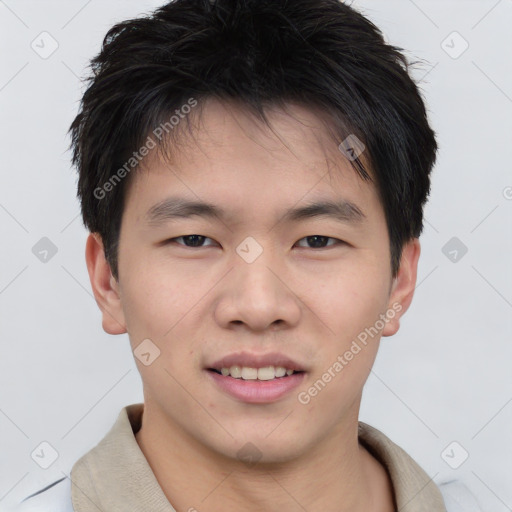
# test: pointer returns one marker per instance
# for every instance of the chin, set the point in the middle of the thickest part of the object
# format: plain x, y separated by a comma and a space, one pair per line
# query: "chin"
260, 450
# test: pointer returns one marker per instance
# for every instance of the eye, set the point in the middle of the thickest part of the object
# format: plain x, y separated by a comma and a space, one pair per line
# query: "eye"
319, 241
313, 241
190, 240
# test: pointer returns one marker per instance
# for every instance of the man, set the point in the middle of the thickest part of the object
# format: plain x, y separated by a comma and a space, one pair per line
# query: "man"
253, 176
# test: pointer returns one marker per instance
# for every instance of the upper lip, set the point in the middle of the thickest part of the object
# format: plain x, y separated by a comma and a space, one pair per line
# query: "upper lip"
256, 361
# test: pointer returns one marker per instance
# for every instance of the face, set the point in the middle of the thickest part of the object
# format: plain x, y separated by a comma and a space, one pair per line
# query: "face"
267, 280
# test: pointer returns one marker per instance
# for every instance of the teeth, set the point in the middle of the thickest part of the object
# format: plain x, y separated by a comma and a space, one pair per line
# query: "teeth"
267, 373
235, 372
280, 371
247, 373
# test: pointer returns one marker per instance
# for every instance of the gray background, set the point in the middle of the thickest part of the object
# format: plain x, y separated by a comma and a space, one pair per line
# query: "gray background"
444, 377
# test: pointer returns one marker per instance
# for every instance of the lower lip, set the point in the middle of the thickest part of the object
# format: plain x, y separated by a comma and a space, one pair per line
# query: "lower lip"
257, 391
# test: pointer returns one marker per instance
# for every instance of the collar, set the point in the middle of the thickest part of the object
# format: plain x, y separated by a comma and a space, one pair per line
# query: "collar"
414, 490
115, 475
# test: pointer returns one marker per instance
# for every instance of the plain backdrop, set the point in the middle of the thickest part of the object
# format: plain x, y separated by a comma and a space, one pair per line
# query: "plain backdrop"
441, 388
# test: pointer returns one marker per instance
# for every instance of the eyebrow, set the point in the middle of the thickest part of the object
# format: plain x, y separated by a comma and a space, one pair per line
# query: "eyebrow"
178, 208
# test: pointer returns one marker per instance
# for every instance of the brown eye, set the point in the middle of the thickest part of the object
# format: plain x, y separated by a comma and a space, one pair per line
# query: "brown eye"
191, 240
319, 241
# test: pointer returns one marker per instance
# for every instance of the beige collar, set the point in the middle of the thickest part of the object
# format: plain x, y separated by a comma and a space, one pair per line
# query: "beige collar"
414, 490
115, 476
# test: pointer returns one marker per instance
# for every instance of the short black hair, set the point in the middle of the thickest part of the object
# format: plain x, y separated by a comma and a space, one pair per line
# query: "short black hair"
259, 54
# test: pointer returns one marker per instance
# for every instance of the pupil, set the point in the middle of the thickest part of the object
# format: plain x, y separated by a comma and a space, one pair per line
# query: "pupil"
316, 238
196, 240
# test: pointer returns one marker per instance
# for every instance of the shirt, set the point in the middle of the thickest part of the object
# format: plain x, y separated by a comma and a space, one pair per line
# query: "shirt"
115, 476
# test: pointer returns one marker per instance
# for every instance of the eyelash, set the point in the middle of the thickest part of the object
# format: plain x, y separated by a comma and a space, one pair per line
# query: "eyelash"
172, 240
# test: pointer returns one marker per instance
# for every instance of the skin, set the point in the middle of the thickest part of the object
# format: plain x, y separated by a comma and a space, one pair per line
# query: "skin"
197, 304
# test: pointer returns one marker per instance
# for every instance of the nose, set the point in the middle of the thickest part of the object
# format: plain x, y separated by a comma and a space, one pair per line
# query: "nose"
257, 295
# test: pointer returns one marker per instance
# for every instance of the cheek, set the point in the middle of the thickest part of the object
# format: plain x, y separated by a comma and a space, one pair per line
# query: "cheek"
350, 307
164, 308
348, 302
154, 303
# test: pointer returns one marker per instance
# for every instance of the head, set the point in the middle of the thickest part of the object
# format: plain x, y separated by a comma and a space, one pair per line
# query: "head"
260, 111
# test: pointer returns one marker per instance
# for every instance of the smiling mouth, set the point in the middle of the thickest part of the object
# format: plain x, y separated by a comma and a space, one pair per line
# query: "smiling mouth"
248, 373
251, 385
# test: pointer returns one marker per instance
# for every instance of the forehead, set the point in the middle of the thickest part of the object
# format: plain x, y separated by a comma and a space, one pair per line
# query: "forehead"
228, 152
295, 131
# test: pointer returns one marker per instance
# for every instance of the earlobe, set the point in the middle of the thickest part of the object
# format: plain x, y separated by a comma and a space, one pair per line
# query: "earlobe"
104, 286
402, 290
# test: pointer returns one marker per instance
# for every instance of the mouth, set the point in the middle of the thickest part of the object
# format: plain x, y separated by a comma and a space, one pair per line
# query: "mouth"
256, 379
265, 373
250, 366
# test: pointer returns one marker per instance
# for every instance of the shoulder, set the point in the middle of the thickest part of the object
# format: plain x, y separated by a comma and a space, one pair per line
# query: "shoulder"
407, 476
54, 497
457, 497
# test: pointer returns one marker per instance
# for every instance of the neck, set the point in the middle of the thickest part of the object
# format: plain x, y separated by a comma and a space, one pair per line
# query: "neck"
337, 474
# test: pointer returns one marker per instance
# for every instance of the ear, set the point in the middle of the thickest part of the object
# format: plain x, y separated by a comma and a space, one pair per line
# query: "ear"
104, 286
402, 289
